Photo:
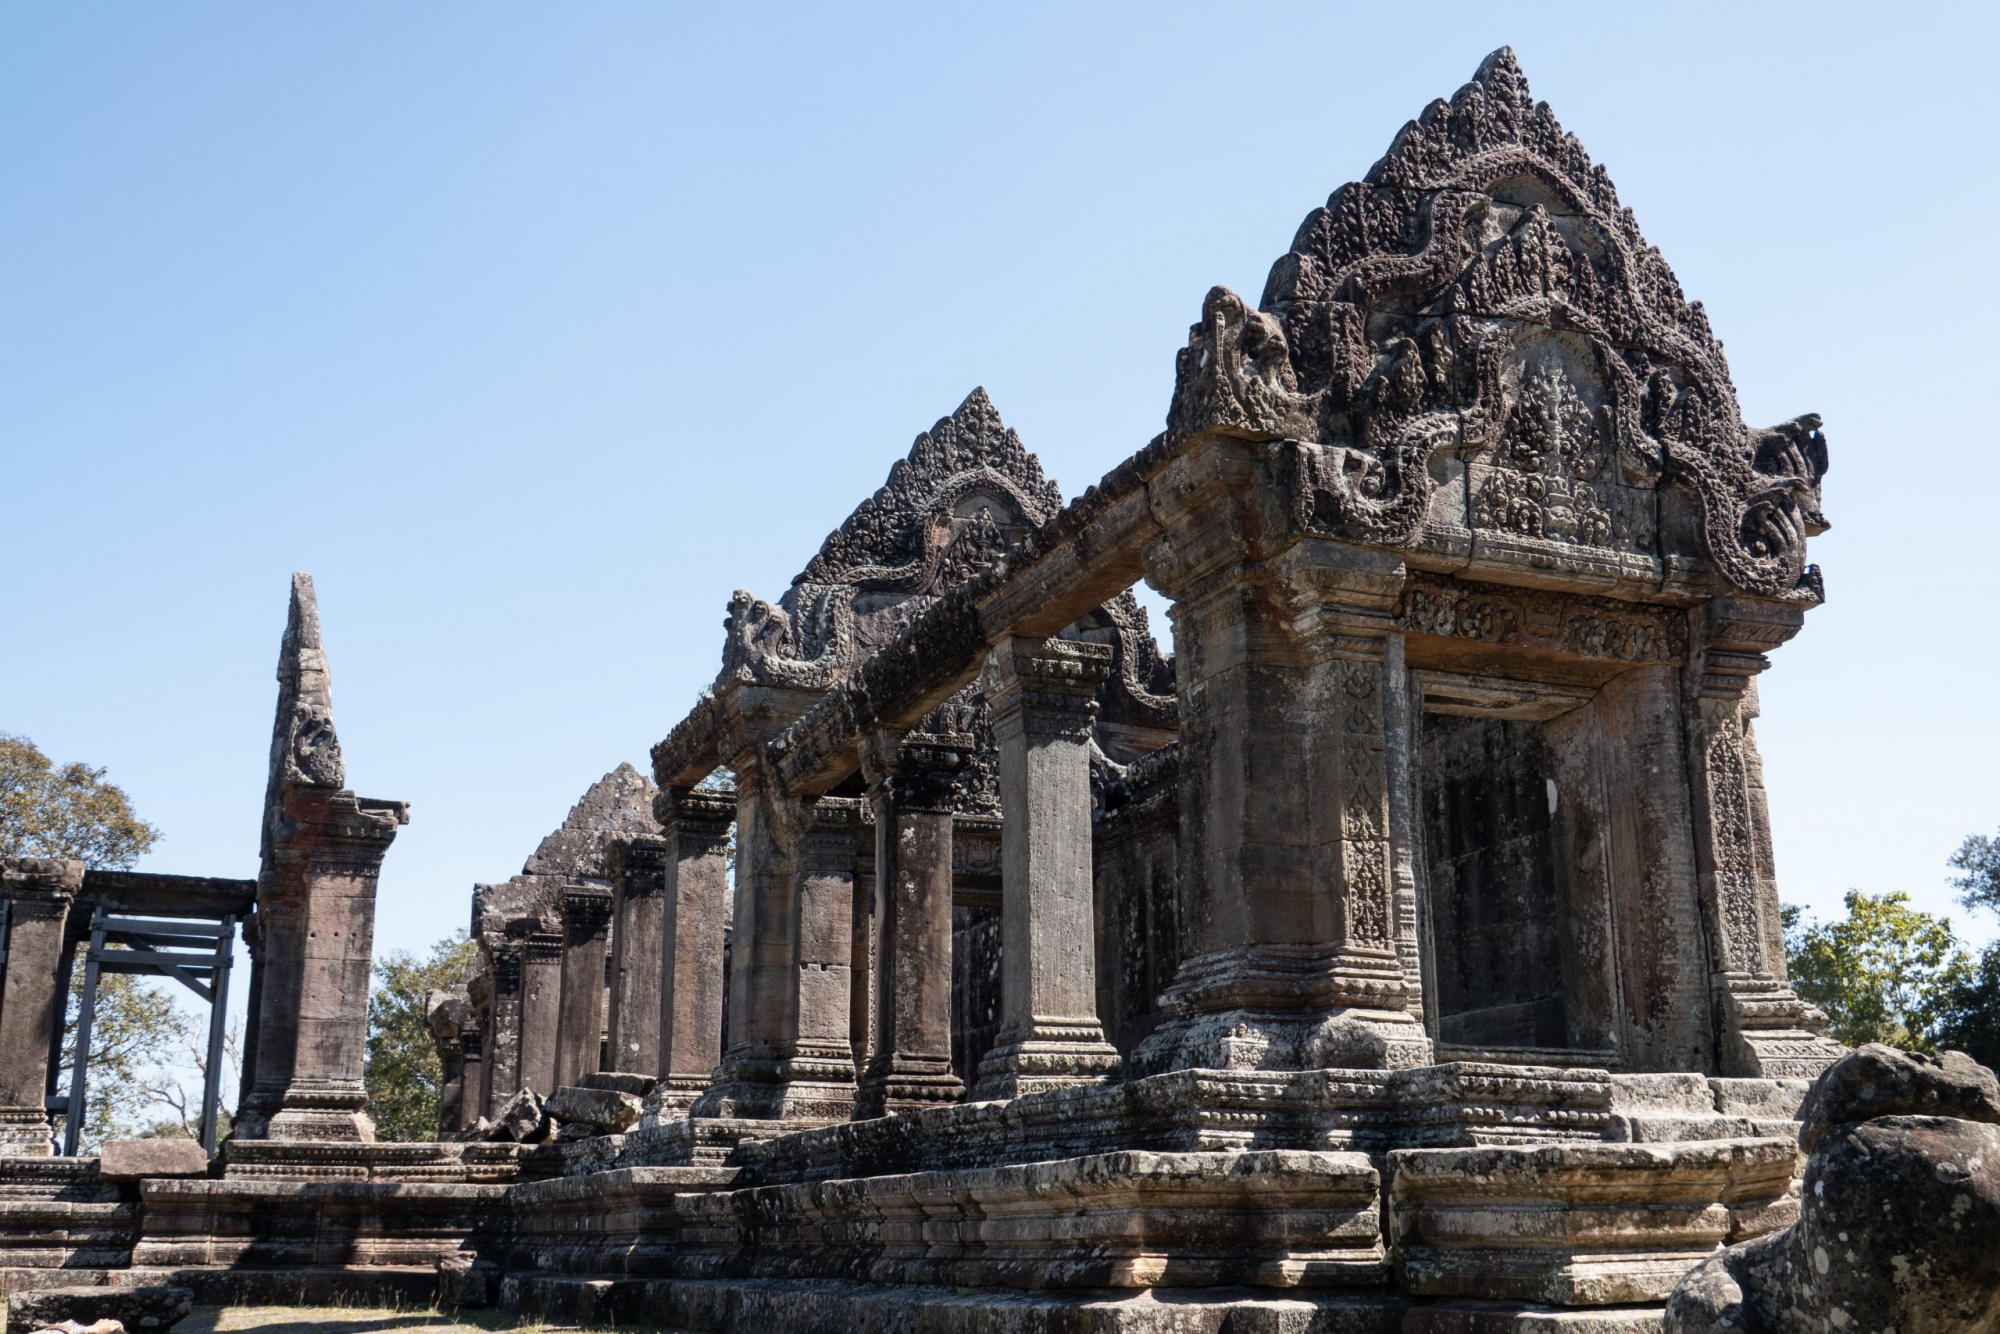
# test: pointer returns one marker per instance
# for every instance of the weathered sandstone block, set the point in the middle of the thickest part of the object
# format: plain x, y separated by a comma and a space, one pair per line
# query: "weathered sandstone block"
1578, 1224
134, 1308
606, 1111
1900, 1221
619, 1082
134, 1159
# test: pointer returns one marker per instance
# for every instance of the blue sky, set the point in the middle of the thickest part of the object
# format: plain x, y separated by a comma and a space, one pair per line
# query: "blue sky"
533, 331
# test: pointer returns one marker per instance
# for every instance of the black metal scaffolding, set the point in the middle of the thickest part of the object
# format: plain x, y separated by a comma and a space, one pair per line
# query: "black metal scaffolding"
177, 927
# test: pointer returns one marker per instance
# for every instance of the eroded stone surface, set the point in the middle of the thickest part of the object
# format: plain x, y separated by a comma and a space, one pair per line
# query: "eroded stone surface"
602, 1110
1900, 1211
134, 1159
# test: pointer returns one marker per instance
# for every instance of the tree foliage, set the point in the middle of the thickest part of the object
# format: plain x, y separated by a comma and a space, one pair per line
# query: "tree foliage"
1978, 861
1882, 974
67, 811
1969, 1018
405, 1080
137, 1034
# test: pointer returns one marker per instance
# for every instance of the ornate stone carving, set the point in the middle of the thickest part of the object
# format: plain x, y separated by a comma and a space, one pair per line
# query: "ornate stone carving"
1565, 623
1483, 294
966, 495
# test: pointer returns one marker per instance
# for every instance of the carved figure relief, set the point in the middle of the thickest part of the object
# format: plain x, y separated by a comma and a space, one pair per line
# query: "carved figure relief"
1551, 475
1414, 315
1568, 623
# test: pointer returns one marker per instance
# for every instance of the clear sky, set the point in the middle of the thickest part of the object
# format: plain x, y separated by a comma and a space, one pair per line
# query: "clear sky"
533, 331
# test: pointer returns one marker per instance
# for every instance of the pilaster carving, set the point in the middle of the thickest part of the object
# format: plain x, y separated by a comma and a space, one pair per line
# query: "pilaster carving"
1763, 1027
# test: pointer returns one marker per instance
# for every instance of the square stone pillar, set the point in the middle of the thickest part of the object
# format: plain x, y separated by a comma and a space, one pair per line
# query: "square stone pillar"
688, 1004
449, 1015
316, 899
789, 970
638, 868
909, 1064
1042, 694
472, 1077
1764, 1028
502, 1073
541, 1009
586, 921
38, 894
1283, 667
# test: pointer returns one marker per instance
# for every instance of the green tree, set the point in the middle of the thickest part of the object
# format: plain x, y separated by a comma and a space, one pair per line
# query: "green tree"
1978, 860
1971, 1019
137, 1034
403, 1074
1882, 974
46, 811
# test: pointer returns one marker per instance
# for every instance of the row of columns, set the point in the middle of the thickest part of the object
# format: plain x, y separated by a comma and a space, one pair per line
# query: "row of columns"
798, 964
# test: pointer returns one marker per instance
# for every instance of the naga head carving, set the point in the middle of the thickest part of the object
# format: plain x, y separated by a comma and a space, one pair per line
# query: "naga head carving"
316, 755
756, 632
1235, 376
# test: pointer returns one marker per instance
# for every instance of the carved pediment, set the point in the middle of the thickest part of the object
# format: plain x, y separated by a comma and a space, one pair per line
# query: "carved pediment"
620, 804
967, 493
1482, 297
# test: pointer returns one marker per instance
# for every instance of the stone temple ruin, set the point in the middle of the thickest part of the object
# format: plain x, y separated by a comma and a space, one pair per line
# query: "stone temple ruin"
1400, 954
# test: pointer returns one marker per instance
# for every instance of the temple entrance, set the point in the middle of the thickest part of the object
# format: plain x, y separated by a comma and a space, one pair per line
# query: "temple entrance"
1490, 804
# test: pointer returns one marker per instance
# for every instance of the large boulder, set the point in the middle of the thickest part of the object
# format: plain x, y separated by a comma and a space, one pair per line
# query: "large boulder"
1899, 1225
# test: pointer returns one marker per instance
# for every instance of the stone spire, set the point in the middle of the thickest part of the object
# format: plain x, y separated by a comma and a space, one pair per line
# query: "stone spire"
322, 853
305, 750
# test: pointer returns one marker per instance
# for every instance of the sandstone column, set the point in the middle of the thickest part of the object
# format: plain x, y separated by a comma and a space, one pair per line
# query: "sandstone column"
1283, 659
36, 894
638, 870
541, 1007
688, 1002
790, 965
1042, 694
1764, 1028
909, 1065
322, 852
586, 920
787, 856
472, 1075
449, 1015
502, 1074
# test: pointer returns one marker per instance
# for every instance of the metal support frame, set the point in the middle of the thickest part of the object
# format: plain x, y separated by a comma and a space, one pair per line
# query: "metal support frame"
194, 952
